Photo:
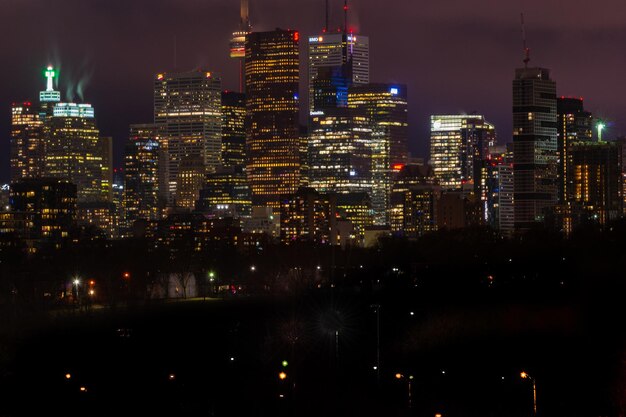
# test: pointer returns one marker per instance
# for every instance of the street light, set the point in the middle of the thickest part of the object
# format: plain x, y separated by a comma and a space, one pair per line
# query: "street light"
253, 268
524, 375
376, 307
400, 376
76, 282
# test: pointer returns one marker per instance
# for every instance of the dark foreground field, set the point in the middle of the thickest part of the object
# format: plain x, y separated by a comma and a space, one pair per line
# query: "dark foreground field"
223, 358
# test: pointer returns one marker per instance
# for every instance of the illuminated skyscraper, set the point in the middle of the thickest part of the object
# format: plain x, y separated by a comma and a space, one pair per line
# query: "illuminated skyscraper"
574, 125
534, 145
340, 155
141, 173
458, 145
76, 152
386, 107
233, 129
272, 104
336, 50
27, 142
187, 106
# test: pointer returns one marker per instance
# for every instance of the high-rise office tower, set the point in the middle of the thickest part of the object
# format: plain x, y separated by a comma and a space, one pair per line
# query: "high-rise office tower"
187, 106
334, 51
534, 145
141, 173
458, 145
574, 125
75, 151
272, 106
386, 107
27, 142
233, 129
340, 156
238, 41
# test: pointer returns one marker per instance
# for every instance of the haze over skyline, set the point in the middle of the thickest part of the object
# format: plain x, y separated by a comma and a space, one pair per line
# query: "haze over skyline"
454, 56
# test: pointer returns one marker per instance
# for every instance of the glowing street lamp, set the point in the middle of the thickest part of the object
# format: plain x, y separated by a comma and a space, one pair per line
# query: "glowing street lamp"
410, 378
524, 375
282, 376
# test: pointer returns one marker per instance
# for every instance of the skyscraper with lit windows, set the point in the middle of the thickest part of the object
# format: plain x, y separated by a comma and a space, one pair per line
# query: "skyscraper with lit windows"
340, 155
27, 142
74, 151
141, 173
233, 129
272, 108
574, 125
458, 146
387, 109
188, 109
337, 50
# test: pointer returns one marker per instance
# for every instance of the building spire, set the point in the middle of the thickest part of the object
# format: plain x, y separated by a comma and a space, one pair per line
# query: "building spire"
50, 74
245, 16
526, 49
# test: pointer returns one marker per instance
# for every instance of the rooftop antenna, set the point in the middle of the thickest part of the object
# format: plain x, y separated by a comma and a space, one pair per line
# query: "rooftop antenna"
345, 16
245, 16
326, 21
526, 49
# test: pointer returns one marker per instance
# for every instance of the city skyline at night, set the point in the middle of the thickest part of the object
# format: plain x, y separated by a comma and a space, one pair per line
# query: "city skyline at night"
304, 208
423, 51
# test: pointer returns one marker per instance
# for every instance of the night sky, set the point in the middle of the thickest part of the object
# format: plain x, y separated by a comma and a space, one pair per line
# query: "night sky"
455, 56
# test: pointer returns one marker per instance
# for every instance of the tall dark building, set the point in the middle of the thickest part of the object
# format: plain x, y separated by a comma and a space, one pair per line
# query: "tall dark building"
272, 104
574, 125
330, 88
141, 173
233, 129
595, 186
534, 145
